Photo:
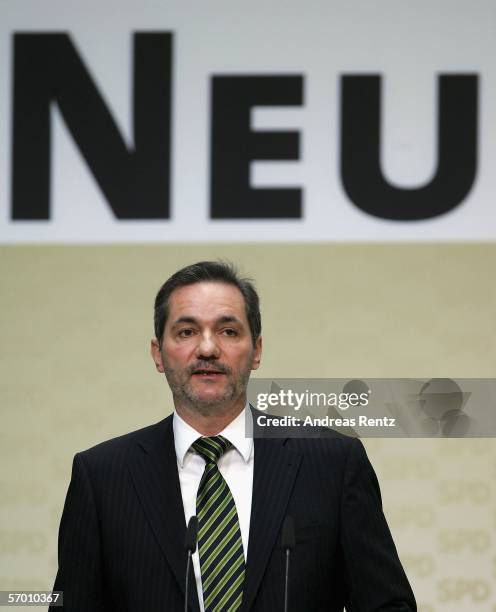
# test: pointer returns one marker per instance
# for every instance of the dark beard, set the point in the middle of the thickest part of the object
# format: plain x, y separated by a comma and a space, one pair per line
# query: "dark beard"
184, 394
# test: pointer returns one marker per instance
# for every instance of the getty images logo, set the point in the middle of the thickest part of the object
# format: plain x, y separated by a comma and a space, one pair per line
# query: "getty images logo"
287, 398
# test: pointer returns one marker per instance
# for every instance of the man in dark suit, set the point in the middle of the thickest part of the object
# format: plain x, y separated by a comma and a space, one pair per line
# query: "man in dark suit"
121, 541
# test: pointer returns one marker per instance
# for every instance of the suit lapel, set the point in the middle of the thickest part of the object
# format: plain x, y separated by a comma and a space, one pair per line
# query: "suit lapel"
275, 469
153, 466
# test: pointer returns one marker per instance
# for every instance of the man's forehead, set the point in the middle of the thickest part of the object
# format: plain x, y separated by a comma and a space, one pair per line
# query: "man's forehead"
207, 298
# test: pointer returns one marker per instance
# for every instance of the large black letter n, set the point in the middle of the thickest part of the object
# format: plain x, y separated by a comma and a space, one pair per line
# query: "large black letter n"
48, 69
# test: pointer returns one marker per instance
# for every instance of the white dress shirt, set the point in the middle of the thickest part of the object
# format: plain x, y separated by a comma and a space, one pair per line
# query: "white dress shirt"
236, 466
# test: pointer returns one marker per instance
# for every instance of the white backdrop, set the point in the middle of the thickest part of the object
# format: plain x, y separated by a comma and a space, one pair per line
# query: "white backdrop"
409, 44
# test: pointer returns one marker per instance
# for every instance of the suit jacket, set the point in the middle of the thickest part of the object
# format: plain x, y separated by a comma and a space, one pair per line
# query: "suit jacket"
121, 539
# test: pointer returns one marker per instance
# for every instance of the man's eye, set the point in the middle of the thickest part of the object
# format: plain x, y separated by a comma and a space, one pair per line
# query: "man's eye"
230, 332
185, 333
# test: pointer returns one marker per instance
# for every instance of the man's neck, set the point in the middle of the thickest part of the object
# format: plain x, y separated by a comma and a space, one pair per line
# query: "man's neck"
213, 423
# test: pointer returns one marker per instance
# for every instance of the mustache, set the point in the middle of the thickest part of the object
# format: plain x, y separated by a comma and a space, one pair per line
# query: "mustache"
209, 365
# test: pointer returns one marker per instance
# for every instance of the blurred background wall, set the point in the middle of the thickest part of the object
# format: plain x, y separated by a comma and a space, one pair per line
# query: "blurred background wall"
348, 288
75, 331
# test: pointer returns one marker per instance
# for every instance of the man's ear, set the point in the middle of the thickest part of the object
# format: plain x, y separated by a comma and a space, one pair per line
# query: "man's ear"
156, 354
257, 356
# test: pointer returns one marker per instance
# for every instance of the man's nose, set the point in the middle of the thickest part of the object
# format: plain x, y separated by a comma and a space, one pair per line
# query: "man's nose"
207, 346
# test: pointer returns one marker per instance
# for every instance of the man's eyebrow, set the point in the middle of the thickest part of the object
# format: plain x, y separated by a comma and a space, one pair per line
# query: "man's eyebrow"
194, 321
185, 319
228, 319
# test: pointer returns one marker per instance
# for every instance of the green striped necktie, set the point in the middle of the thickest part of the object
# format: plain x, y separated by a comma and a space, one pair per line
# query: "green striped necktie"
220, 547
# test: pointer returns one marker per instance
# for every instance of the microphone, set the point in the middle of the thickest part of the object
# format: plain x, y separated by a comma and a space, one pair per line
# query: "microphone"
190, 547
288, 544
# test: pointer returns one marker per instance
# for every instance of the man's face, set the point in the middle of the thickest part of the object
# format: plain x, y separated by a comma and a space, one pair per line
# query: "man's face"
207, 352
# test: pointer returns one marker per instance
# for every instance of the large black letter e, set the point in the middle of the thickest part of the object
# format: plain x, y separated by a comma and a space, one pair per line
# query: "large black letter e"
234, 146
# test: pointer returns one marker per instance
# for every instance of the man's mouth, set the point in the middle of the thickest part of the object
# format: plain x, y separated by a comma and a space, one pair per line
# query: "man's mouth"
205, 373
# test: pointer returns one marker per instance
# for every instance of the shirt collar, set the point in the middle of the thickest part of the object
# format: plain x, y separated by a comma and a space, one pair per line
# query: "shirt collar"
235, 432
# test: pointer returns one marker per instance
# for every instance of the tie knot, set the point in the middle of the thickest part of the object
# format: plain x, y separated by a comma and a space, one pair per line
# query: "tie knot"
211, 449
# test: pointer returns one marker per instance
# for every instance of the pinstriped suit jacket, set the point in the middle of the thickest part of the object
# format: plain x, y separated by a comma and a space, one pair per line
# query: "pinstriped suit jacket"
122, 530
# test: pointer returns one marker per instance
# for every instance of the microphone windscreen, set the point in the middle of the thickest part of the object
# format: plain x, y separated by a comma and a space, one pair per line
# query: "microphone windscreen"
191, 535
288, 534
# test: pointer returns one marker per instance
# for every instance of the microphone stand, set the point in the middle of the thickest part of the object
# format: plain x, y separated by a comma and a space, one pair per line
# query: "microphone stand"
190, 545
288, 544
